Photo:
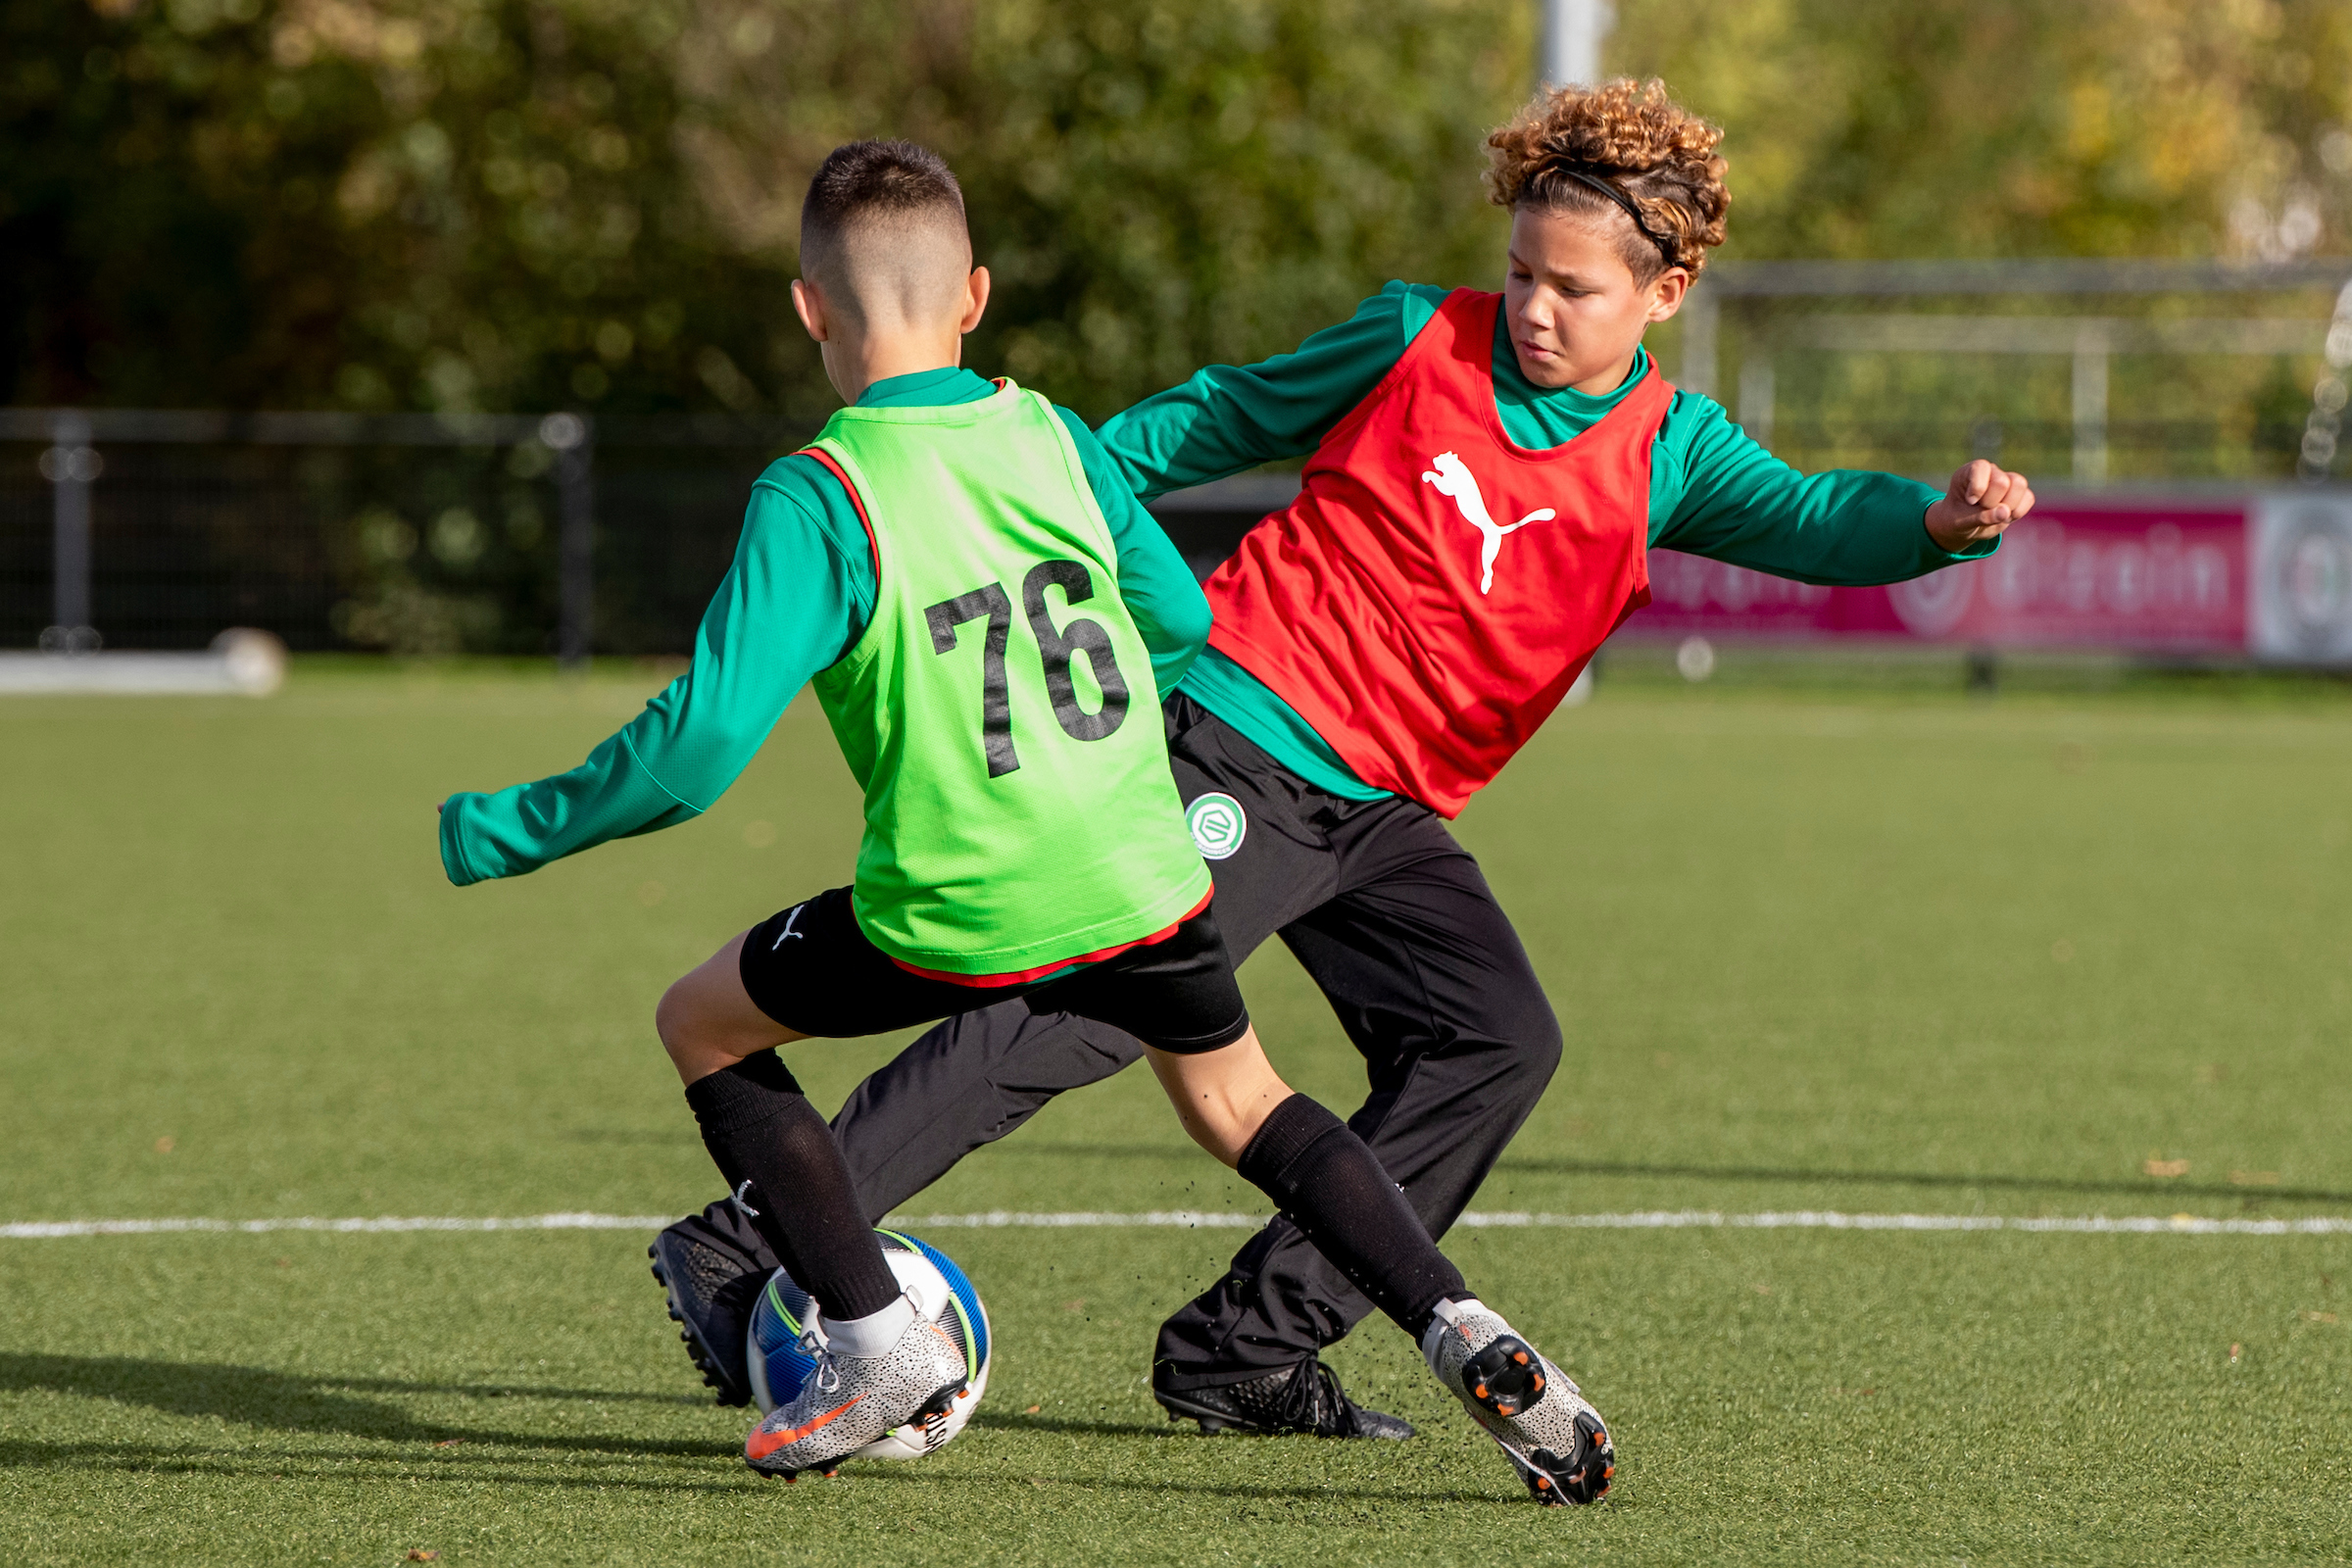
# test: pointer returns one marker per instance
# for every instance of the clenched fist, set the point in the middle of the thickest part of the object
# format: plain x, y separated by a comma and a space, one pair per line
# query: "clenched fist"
1983, 499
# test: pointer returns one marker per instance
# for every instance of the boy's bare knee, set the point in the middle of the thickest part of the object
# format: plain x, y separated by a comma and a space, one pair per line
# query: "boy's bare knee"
707, 1023
670, 1016
696, 1042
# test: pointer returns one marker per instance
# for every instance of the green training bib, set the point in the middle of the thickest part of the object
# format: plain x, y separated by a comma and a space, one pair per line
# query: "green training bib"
999, 710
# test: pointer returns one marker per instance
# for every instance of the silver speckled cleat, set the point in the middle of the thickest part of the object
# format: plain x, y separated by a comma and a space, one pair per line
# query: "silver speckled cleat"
1529, 1407
849, 1400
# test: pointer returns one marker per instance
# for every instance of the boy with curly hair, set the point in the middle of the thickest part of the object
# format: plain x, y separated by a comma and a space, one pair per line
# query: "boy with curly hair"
1486, 475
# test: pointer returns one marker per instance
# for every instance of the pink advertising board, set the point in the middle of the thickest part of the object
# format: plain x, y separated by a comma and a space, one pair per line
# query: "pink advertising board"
2267, 575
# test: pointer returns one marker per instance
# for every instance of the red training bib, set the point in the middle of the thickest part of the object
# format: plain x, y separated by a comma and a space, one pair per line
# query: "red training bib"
1437, 587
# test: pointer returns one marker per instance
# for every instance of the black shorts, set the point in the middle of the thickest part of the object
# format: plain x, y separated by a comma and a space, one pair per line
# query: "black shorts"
811, 969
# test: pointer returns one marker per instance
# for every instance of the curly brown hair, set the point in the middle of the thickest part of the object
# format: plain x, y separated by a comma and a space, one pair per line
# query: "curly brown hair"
1635, 138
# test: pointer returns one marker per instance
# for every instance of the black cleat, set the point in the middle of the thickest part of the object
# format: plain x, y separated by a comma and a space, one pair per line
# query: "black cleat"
712, 1287
1306, 1399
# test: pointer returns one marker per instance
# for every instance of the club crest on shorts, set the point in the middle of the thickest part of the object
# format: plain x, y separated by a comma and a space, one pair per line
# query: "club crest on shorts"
1218, 825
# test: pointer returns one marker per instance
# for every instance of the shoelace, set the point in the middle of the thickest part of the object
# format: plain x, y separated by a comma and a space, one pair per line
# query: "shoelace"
1313, 1397
825, 1374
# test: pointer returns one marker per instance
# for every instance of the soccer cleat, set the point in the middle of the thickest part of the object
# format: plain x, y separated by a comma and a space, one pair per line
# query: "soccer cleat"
849, 1400
712, 1290
1307, 1399
1535, 1414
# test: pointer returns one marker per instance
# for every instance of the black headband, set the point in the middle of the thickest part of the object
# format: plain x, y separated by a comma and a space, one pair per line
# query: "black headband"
1584, 177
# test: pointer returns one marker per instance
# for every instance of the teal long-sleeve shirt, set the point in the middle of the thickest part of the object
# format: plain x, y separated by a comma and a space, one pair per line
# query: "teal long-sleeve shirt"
1713, 490
799, 594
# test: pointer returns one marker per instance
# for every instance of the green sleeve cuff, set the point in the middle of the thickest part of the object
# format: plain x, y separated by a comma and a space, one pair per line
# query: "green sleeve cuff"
797, 595
519, 829
453, 840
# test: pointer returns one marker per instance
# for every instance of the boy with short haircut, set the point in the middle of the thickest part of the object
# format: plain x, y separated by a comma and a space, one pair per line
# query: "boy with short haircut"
1023, 839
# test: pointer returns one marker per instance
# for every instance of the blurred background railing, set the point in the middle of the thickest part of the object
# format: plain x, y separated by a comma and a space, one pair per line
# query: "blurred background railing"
412, 533
2087, 368
568, 533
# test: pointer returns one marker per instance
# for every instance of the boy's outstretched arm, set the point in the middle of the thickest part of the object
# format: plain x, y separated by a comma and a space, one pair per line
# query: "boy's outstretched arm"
788, 605
1159, 589
1849, 527
1225, 420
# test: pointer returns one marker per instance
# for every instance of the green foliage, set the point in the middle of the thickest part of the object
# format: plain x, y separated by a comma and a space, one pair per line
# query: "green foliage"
452, 204
441, 207
502, 204
2016, 128
1185, 183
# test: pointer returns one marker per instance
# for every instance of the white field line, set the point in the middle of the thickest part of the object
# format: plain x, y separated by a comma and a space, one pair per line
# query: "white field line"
41, 1230
1190, 1219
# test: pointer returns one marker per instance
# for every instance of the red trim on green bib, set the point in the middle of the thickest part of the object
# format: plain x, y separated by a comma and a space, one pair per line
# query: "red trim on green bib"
985, 981
873, 551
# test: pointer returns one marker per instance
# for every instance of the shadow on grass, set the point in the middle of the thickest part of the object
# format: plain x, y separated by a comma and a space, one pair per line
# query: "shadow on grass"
507, 1390
626, 1137
333, 1465
1018, 1422
2151, 1190
342, 1465
311, 1407
1348, 1494
287, 1402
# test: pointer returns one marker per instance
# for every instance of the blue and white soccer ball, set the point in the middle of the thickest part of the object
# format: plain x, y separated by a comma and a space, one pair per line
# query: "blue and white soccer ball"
941, 1294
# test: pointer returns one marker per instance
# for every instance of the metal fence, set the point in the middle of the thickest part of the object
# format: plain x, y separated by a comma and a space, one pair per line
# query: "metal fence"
565, 534
421, 533
2085, 368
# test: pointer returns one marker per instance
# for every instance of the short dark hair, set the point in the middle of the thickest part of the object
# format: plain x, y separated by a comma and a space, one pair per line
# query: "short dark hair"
873, 180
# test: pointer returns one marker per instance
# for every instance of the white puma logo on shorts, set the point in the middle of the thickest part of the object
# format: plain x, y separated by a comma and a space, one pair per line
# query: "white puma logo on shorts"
1454, 478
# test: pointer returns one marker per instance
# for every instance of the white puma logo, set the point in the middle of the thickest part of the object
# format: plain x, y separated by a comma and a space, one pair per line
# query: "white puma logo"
790, 921
1454, 478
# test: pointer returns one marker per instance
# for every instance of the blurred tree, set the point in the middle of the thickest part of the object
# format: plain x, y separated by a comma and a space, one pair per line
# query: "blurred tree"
2016, 128
1155, 184
119, 270
432, 206
451, 204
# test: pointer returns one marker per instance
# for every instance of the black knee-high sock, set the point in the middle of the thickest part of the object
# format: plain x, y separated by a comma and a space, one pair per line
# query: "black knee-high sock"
760, 1128
1321, 1174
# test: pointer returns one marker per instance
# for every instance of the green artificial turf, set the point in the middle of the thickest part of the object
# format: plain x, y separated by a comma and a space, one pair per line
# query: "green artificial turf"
1860, 945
